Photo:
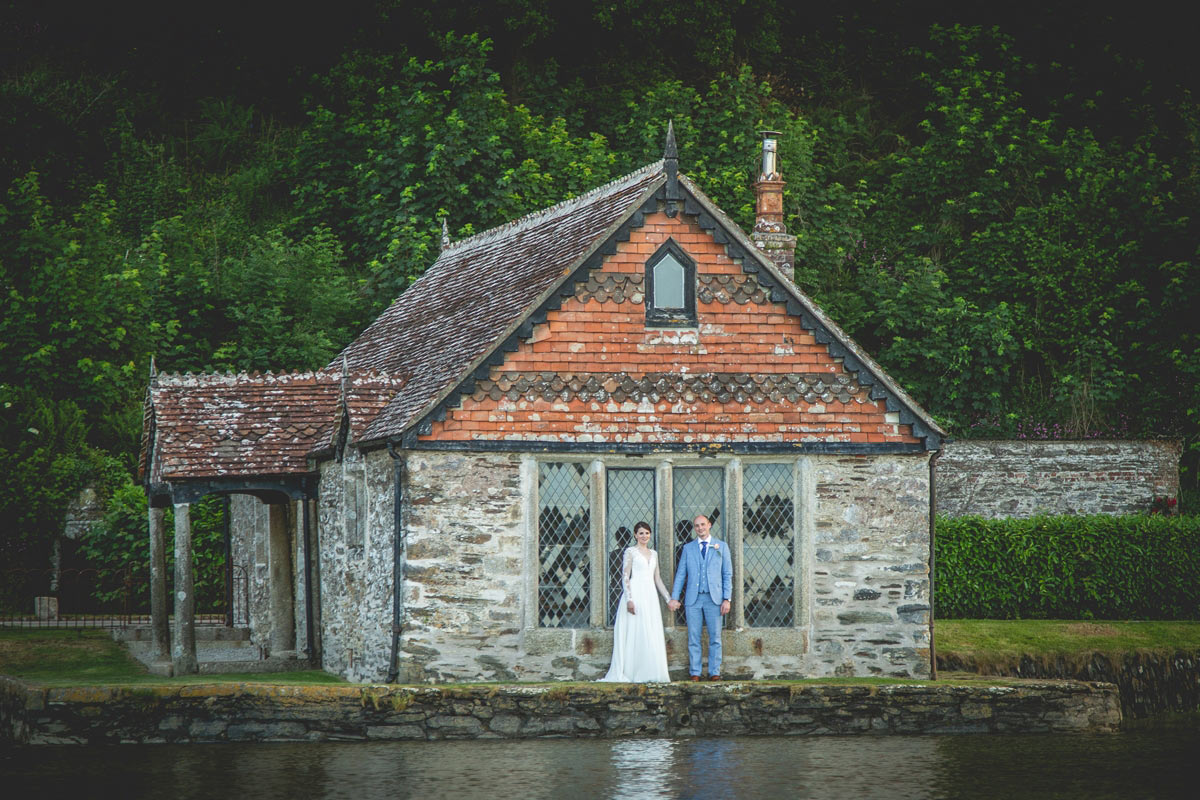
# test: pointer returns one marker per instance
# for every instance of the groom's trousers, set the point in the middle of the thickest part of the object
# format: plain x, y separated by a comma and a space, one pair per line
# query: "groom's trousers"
707, 613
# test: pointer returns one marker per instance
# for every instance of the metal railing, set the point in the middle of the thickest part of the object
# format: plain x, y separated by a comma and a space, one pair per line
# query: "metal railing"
102, 598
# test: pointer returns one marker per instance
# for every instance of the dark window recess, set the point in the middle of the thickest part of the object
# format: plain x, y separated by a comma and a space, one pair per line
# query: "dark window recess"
698, 490
630, 501
671, 288
564, 538
768, 545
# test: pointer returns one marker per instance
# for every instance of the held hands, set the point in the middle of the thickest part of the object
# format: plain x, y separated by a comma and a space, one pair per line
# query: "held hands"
674, 605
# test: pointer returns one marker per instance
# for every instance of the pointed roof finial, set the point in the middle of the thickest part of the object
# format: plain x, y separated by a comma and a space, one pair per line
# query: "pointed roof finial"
445, 234
671, 163
153, 368
671, 152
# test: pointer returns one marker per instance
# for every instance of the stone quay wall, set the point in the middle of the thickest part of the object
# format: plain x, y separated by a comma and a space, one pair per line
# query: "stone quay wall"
1149, 683
250, 712
1011, 478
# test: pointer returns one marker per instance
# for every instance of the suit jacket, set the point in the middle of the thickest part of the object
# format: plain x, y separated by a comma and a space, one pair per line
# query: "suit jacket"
720, 572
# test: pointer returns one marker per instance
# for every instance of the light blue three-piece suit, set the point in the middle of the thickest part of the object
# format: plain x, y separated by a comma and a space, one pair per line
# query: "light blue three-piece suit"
708, 580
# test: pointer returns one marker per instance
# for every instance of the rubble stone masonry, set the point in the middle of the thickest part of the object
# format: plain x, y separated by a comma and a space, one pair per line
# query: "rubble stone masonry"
1011, 478
469, 592
356, 564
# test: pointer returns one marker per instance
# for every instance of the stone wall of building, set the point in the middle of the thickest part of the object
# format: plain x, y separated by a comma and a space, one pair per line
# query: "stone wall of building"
250, 712
465, 572
355, 528
1011, 478
470, 578
870, 593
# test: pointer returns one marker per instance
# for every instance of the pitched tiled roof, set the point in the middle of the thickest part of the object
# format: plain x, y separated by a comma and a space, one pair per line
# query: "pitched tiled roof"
205, 426
478, 289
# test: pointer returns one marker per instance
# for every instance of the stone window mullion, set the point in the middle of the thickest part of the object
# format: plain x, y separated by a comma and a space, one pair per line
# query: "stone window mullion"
733, 535
529, 484
803, 532
666, 534
598, 525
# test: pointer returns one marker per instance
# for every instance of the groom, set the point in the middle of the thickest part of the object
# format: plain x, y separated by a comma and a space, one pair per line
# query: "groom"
707, 570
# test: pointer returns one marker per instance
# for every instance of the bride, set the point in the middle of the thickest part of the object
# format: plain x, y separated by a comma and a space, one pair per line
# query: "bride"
639, 649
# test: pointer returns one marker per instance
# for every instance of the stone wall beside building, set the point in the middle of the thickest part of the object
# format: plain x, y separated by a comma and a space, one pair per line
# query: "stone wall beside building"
1020, 478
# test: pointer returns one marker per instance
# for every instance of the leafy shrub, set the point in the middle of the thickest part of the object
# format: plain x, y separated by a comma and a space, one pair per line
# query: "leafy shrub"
123, 540
1065, 567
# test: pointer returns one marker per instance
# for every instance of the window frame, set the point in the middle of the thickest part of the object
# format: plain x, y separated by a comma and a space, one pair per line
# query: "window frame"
731, 531
657, 316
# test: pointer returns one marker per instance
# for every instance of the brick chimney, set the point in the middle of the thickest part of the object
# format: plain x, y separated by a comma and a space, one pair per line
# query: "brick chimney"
770, 234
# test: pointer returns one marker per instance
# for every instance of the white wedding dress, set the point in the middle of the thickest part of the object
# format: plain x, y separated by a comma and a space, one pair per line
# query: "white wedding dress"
639, 648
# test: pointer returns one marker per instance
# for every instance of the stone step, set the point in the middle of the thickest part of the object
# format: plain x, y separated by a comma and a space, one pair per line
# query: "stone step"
278, 663
205, 651
204, 633
218, 657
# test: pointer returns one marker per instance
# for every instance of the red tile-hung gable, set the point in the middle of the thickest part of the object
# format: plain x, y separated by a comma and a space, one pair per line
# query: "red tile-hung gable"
594, 371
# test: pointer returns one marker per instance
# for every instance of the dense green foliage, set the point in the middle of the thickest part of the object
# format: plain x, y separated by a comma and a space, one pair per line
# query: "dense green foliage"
1087, 567
123, 541
1003, 216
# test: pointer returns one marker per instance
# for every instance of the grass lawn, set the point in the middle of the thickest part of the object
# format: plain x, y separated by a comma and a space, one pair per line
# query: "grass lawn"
1006, 638
91, 658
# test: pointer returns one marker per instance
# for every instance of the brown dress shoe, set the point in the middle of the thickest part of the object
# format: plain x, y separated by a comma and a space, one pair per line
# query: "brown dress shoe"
695, 677
714, 677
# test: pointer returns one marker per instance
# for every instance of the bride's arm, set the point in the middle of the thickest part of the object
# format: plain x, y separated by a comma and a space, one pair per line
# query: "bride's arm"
626, 573
658, 581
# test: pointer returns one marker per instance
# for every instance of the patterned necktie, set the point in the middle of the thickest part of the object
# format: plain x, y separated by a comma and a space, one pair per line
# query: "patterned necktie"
704, 551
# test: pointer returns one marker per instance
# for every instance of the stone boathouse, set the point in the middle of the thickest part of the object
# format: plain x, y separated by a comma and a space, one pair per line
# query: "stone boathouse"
449, 498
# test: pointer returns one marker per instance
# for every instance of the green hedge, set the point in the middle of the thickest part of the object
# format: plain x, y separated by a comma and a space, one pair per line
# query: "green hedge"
1094, 567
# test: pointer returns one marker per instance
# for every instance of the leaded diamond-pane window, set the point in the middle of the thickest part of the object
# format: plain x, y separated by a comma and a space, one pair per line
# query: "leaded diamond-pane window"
564, 532
768, 545
630, 501
698, 490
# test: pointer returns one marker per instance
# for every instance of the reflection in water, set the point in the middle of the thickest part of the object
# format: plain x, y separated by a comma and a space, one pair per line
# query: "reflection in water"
644, 768
1151, 762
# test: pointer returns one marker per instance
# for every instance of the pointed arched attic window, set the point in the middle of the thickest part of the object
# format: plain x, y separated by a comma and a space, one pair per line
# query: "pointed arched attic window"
670, 288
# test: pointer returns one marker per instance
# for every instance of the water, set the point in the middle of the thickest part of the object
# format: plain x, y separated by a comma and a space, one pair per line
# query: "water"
1153, 761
